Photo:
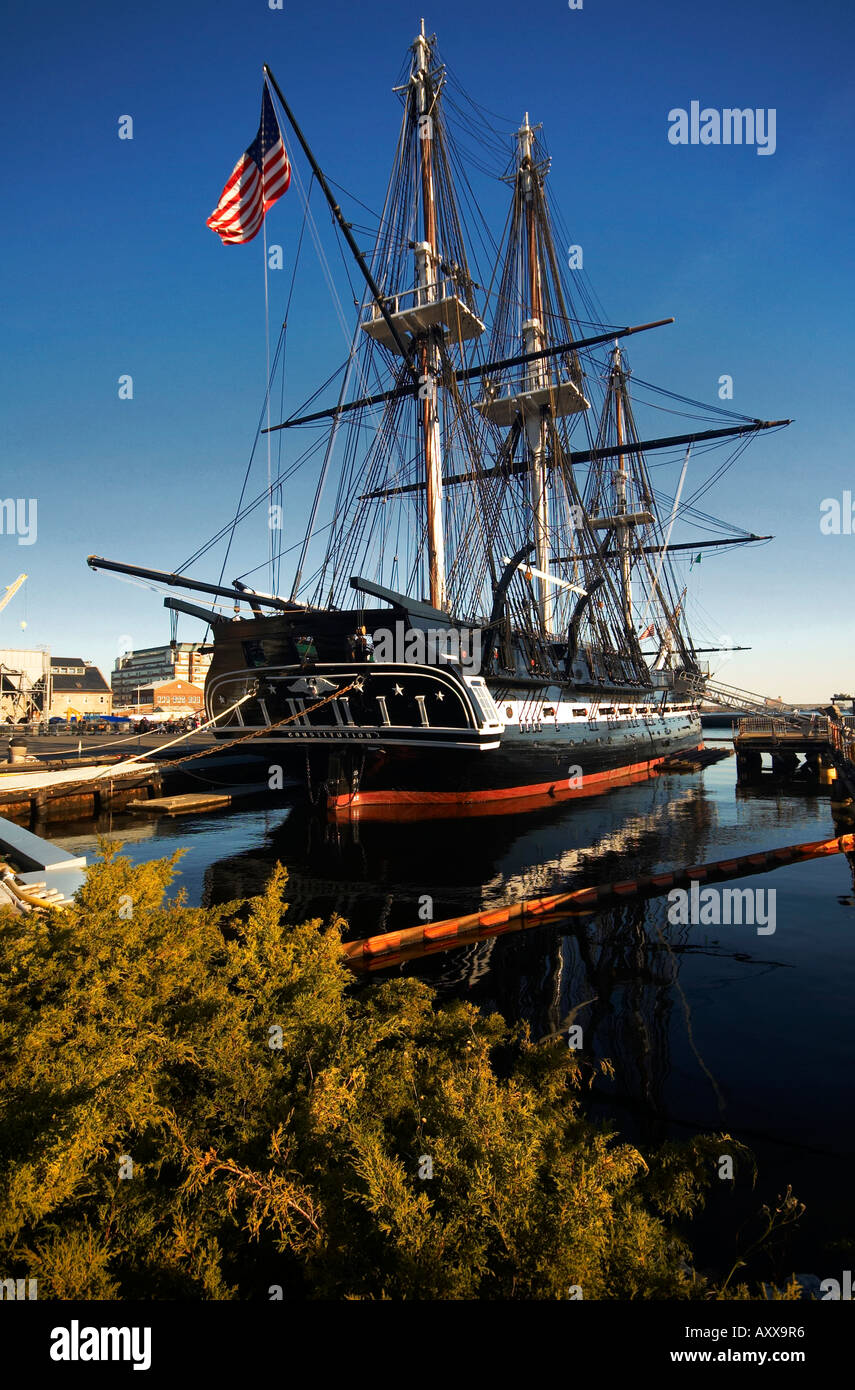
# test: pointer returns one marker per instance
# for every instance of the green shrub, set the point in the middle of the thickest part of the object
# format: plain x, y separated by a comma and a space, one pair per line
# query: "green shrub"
135, 1030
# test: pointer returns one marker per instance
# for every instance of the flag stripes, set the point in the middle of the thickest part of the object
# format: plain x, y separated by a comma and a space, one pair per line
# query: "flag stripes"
261, 175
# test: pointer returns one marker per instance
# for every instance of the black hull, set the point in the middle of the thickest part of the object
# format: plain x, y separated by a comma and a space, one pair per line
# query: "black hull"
385, 738
388, 783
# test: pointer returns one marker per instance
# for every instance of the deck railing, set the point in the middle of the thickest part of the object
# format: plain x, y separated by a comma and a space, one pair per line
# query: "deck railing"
842, 739
837, 733
816, 727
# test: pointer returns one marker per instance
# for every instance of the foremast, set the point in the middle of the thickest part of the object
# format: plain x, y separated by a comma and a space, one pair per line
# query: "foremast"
427, 268
436, 317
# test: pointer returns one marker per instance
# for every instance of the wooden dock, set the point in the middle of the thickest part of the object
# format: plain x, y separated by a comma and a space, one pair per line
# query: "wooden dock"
693, 762
67, 781
31, 792
188, 803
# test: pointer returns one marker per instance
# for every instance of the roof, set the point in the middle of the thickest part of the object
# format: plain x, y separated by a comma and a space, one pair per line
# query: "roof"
91, 681
175, 688
67, 661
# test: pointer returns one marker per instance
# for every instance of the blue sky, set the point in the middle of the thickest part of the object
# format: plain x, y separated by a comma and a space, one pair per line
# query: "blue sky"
108, 268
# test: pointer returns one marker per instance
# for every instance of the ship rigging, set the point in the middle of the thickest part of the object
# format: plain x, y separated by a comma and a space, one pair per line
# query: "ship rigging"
486, 475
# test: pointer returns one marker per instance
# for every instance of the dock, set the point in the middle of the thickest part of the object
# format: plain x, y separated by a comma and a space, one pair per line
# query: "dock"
33, 792
692, 762
789, 745
188, 803
820, 748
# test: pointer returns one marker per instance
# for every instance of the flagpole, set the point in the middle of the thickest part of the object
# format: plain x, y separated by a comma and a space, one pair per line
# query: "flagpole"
267, 356
345, 227
267, 392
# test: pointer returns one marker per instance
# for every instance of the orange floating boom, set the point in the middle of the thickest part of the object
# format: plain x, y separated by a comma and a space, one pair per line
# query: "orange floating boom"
379, 952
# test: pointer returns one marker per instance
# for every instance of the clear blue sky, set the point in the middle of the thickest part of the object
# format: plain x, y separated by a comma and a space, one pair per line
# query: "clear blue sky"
108, 268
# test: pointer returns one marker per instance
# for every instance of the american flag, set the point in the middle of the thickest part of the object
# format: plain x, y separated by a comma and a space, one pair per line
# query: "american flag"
260, 176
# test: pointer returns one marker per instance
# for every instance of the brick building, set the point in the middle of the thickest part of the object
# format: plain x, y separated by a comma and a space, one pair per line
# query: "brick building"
177, 697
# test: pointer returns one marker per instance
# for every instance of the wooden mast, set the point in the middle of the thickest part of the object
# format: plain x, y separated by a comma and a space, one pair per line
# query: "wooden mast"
623, 539
427, 259
537, 376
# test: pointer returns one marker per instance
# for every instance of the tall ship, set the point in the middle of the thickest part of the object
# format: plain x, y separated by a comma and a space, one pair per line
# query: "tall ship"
485, 612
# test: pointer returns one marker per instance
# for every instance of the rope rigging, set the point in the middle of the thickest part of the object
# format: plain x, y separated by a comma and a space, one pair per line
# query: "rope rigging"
362, 525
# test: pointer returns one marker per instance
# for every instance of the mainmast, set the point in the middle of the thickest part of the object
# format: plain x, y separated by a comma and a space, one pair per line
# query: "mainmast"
530, 301
620, 481
427, 261
536, 377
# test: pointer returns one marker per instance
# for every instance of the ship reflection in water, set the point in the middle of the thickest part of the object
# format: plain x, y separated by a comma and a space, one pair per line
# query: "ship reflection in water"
707, 1026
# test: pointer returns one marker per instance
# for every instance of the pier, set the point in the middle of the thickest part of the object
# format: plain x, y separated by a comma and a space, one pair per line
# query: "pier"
819, 747
61, 779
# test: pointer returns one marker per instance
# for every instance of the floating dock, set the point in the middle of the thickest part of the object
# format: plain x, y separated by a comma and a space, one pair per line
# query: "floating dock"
186, 803
693, 762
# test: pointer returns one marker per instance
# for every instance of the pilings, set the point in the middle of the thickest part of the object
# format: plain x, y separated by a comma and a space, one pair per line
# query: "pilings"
749, 765
795, 752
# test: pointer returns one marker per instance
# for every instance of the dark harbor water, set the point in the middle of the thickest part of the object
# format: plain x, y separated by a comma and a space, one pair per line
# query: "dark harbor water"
708, 1027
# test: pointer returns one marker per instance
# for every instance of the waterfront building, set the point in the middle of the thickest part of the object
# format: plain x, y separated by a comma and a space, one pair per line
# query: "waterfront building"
77, 688
139, 671
177, 697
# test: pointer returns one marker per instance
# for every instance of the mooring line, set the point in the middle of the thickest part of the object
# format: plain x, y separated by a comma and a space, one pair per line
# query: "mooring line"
155, 765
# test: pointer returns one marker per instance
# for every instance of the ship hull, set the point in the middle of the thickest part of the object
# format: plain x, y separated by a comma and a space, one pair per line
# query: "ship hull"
523, 773
384, 739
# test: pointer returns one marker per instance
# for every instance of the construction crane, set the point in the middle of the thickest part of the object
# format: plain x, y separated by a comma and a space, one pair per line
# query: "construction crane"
11, 590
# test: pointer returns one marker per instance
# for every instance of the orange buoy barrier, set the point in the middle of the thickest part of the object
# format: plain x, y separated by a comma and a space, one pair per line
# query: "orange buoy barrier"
387, 948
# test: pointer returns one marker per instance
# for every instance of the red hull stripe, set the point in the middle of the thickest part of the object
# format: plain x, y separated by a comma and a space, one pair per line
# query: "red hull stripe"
558, 790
